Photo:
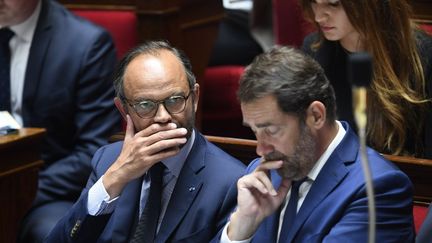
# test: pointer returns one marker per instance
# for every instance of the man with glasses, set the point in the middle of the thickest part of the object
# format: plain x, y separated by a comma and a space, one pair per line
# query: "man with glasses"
164, 171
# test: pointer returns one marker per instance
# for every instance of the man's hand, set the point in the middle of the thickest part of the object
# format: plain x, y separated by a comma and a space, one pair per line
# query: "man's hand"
256, 200
141, 151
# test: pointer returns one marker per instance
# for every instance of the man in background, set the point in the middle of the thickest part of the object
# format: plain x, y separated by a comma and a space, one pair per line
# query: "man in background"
56, 74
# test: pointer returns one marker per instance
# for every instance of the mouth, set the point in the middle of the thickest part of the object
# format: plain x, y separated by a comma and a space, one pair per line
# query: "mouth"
326, 28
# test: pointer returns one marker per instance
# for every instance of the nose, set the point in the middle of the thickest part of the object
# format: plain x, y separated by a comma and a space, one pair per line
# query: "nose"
162, 115
263, 147
320, 13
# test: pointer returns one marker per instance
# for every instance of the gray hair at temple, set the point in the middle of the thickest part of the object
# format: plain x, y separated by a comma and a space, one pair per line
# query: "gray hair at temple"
295, 79
150, 48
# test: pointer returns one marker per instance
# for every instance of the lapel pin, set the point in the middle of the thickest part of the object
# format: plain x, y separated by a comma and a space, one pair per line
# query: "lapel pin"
191, 189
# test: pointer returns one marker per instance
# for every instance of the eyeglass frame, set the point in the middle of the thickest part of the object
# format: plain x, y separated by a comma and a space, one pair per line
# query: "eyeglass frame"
157, 103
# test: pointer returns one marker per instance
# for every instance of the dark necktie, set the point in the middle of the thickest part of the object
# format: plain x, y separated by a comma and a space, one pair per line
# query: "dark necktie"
147, 224
290, 211
5, 35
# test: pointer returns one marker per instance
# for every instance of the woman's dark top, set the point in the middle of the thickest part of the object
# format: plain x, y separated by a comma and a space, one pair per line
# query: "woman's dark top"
333, 58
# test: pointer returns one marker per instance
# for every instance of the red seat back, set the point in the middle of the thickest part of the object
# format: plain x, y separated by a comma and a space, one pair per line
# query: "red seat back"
427, 28
121, 24
419, 212
289, 25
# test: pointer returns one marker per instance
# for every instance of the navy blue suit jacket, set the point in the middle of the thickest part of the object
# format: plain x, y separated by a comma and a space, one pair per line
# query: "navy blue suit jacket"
197, 210
68, 90
335, 209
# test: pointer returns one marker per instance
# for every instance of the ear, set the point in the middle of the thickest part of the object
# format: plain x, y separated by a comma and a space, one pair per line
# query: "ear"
196, 96
119, 104
316, 115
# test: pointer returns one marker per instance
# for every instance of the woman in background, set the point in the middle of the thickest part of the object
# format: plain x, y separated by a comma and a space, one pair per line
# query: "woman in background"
399, 106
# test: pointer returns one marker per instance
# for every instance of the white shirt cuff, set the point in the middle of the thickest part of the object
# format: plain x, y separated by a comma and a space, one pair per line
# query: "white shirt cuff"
225, 239
98, 200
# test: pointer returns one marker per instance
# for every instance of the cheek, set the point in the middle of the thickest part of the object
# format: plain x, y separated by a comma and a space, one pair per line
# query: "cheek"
139, 123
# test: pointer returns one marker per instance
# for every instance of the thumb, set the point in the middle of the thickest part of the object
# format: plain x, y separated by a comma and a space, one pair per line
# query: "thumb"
130, 131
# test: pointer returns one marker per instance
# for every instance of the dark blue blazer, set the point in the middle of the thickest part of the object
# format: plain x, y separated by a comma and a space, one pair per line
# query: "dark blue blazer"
68, 90
335, 209
197, 210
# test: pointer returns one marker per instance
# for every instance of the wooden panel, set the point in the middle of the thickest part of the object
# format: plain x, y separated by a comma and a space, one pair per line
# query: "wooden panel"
422, 10
19, 167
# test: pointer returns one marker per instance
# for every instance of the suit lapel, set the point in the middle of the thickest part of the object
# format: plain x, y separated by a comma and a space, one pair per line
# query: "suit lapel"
185, 191
125, 215
38, 49
333, 172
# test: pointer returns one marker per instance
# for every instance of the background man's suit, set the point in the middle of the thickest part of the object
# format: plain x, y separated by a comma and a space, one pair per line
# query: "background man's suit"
335, 209
68, 90
197, 210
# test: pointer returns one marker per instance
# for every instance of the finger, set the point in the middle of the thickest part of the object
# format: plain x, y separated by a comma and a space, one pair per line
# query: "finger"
130, 131
264, 177
166, 145
270, 165
155, 128
253, 182
284, 188
166, 135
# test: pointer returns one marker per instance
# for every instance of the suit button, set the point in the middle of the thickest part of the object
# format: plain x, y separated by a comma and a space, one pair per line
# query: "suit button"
75, 228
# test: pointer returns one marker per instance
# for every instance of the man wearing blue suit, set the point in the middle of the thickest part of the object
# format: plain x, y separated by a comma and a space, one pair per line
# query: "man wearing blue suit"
158, 95
60, 79
309, 185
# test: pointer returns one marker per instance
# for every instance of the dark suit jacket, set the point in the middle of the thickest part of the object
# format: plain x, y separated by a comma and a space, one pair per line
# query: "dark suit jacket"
68, 90
335, 209
197, 210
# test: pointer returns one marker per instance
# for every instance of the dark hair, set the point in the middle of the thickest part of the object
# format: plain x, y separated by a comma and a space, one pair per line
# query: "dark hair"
150, 48
295, 79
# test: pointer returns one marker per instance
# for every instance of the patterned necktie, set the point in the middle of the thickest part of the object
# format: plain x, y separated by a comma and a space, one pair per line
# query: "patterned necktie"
291, 210
147, 224
5, 35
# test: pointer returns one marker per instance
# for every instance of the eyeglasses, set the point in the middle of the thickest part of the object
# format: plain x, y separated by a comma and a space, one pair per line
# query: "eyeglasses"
148, 108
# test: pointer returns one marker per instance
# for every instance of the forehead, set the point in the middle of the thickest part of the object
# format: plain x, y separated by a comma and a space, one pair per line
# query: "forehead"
155, 76
262, 112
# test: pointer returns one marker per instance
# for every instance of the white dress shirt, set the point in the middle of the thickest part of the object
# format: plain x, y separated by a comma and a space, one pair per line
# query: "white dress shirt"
99, 202
245, 5
304, 187
20, 48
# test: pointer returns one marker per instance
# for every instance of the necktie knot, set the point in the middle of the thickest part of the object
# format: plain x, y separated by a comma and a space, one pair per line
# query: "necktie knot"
156, 172
5, 35
296, 185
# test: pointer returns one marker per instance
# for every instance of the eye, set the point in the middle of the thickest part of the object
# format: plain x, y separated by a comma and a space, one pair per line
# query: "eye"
271, 130
334, 3
146, 105
174, 100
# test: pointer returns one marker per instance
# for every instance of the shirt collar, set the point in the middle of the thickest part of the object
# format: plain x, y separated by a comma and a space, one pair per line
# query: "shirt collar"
26, 29
175, 164
324, 157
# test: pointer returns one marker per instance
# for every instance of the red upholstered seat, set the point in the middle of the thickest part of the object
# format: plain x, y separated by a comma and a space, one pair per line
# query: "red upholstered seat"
221, 111
419, 212
121, 24
289, 25
427, 28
